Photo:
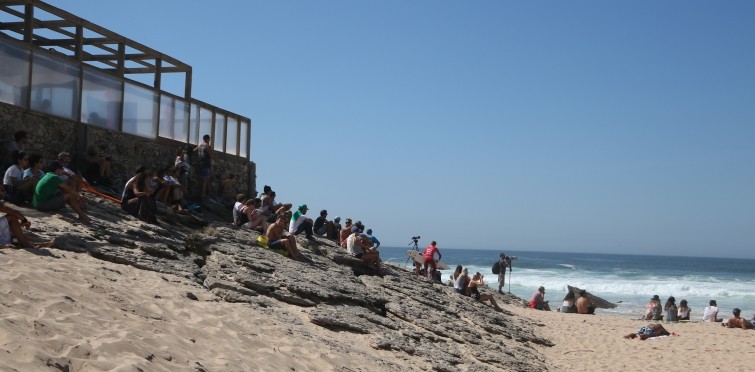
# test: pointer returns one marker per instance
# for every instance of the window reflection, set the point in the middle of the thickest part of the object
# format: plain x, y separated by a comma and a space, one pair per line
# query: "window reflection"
101, 100
54, 86
14, 74
139, 111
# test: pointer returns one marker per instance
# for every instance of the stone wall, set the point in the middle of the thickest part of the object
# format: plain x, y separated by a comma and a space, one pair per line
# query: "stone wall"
49, 136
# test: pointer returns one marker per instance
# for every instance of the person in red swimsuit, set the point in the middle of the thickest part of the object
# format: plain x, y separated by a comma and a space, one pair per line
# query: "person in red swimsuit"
429, 253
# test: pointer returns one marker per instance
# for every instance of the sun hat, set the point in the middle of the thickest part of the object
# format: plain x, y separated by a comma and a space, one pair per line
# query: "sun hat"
337, 218
655, 298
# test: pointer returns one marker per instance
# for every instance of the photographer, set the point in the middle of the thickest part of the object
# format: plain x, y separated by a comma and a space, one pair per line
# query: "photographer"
503, 263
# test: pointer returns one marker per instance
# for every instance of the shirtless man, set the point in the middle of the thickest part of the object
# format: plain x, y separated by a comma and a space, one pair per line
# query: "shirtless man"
584, 305
278, 238
651, 330
737, 322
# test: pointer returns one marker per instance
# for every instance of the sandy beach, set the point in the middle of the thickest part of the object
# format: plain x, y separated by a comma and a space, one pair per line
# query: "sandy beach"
596, 343
62, 308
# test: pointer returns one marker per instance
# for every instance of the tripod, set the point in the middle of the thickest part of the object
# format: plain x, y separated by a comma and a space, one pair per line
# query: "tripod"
416, 248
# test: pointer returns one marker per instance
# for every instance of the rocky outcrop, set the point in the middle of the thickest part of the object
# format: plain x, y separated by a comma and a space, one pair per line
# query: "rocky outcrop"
399, 313
597, 301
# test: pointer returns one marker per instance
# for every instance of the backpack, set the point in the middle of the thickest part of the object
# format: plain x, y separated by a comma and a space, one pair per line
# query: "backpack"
496, 268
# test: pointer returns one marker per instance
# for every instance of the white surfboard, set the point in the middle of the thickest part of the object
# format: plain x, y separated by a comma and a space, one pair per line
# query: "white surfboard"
419, 258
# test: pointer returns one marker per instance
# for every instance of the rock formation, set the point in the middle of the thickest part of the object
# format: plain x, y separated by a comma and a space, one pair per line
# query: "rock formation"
403, 316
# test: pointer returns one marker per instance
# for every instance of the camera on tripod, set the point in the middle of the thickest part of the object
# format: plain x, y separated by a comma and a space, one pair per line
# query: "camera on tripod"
415, 238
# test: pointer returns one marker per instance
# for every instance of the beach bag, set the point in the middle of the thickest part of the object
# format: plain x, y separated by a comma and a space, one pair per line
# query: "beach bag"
496, 268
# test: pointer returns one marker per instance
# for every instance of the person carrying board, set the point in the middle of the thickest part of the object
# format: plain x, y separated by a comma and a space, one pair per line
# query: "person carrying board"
429, 254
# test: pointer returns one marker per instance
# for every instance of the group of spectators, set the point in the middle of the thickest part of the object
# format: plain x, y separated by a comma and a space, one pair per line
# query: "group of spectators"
466, 286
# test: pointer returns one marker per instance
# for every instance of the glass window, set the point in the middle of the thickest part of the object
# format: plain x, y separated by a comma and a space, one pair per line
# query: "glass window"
230, 136
205, 123
244, 149
14, 74
54, 86
101, 100
219, 138
139, 111
173, 123
194, 124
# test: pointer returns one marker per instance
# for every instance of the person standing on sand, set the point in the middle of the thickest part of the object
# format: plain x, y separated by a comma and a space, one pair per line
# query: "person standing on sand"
429, 254
503, 263
736, 322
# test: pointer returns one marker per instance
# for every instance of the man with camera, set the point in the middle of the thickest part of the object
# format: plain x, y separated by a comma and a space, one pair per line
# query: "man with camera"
503, 263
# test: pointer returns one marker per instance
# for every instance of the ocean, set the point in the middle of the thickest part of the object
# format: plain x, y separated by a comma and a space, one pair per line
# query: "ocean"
627, 280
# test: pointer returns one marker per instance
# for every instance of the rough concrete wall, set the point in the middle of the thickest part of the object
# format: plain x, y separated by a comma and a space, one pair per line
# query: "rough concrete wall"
49, 136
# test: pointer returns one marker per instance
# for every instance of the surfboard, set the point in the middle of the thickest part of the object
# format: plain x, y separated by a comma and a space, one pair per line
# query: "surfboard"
419, 258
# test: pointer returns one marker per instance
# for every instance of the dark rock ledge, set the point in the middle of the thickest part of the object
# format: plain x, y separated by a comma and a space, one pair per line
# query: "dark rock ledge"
427, 324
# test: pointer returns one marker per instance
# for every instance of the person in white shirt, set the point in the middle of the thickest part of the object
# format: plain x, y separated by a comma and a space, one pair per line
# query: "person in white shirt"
710, 314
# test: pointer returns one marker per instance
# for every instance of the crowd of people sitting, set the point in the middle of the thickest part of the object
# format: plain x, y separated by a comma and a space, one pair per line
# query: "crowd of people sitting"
466, 286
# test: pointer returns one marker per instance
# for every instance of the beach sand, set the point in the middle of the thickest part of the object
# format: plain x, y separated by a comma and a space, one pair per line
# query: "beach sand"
60, 309
596, 343
91, 315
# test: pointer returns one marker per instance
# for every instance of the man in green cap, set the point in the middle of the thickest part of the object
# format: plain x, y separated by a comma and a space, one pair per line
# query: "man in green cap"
300, 222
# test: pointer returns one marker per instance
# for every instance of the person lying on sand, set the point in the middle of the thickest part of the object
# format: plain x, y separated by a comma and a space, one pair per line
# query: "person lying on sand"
737, 322
651, 330
11, 226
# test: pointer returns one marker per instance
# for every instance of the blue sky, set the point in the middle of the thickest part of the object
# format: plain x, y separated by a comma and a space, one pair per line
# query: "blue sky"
587, 126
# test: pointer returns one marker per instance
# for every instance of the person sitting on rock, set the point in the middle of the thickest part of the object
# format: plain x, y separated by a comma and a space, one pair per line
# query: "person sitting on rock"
336, 229
473, 292
18, 190
99, 169
455, 275
278, 238
736, 322
345, 231
374, 242
584, 305
228, 190
137, 196
323, 227
64, 158
52, 193
12, 225
239, 217
269, 206
20, 140
253, 213
648, 331
355, 246
34, 171
537, 301
301, 223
